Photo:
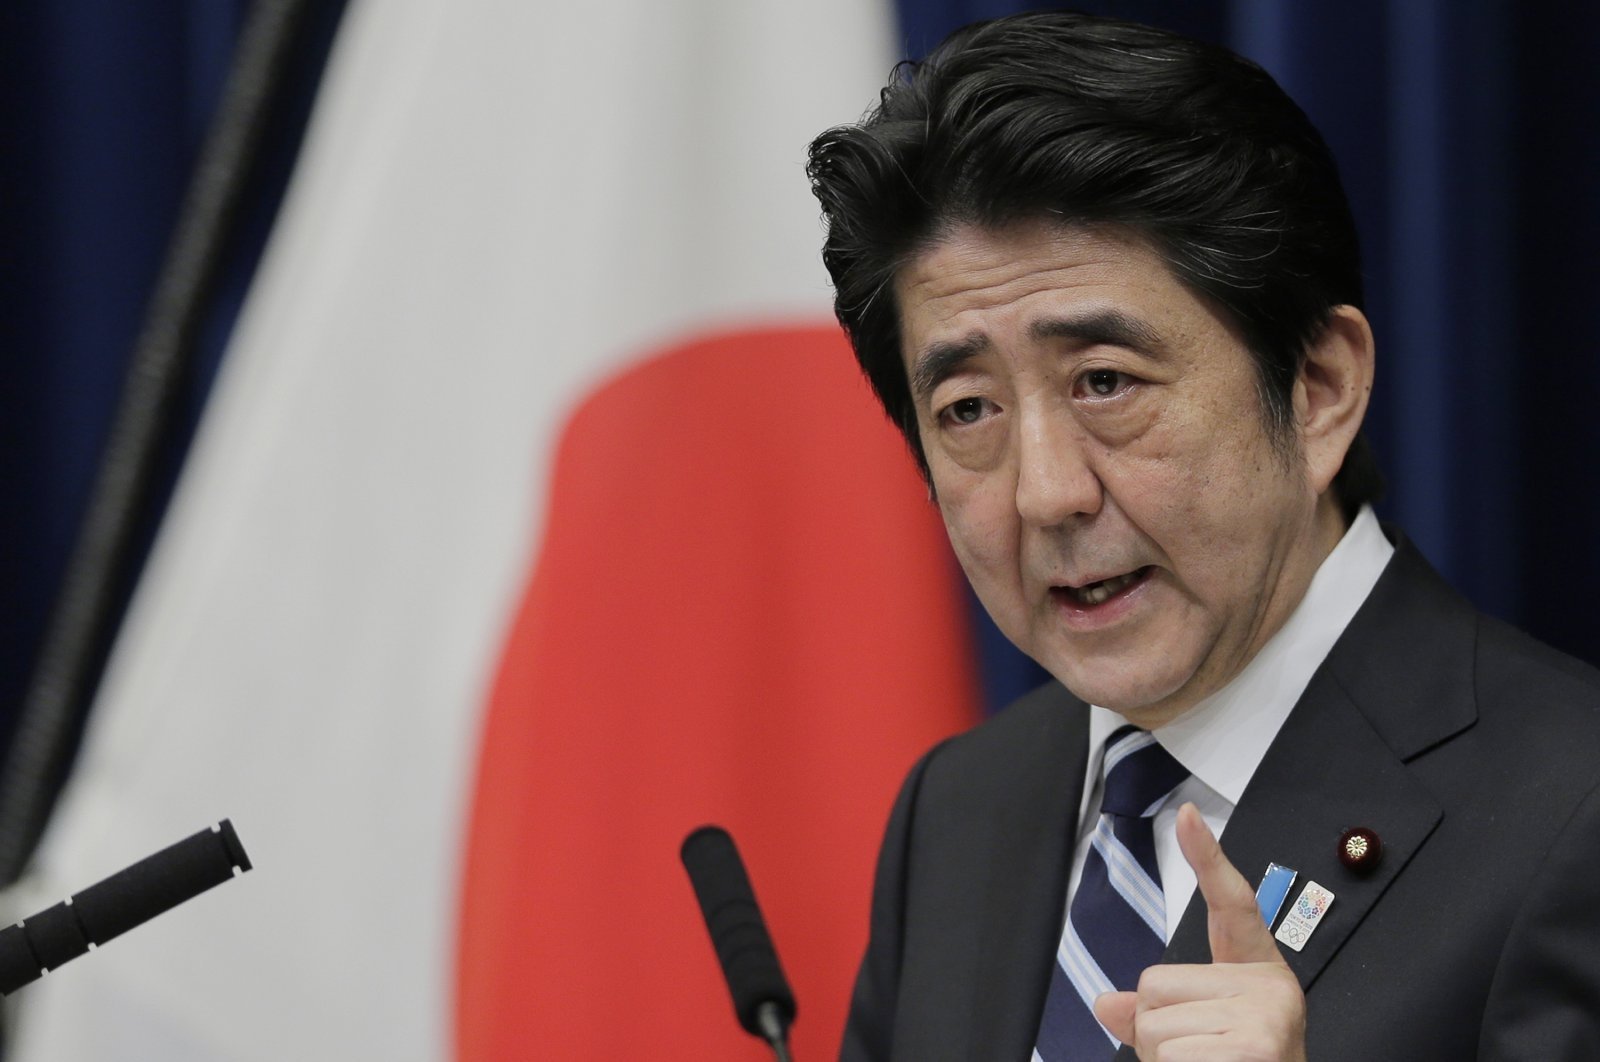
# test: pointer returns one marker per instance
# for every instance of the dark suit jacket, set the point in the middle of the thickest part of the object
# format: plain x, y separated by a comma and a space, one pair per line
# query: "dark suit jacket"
1472, 750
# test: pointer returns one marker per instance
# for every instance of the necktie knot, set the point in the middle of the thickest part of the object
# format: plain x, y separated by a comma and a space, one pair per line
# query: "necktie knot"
1139, 773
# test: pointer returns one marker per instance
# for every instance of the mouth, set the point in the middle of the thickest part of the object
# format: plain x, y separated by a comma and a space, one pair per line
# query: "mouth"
1099, 592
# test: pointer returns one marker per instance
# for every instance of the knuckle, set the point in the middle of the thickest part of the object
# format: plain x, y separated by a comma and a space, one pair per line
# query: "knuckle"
1236, 892
1286, 986
1231, 937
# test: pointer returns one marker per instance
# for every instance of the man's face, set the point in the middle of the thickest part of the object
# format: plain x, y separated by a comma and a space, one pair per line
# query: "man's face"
1098, 450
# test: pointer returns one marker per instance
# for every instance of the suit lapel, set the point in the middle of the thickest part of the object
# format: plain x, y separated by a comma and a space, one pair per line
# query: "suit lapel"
1327, 771
1383, 696
1030, 858
1397, 683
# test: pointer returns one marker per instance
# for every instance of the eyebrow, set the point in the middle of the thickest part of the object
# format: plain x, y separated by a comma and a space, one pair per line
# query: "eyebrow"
940, 360
1095, 328
1102, 328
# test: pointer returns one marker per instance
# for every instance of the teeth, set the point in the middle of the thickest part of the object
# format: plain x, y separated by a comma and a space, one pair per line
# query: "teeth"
1101, 591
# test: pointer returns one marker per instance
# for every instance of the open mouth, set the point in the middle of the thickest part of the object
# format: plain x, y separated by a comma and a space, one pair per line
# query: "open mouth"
1098, 593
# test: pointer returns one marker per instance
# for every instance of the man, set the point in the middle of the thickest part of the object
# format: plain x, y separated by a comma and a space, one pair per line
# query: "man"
1106, 281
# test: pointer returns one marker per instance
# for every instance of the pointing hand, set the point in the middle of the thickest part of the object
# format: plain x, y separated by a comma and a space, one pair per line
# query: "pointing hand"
1243, 1006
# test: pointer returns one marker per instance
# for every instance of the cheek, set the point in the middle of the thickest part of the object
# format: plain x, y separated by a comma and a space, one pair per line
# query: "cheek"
1197, 493
1220, 521
1217, 457
983, 529
975, 538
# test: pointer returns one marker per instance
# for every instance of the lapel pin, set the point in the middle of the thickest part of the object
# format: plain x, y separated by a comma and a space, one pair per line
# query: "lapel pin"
1360, 849
1273, 890
1304, 917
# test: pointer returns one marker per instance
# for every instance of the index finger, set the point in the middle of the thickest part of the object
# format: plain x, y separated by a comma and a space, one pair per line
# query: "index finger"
1233, 921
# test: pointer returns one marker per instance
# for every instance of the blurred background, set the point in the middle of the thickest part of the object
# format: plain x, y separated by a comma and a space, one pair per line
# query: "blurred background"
501, 502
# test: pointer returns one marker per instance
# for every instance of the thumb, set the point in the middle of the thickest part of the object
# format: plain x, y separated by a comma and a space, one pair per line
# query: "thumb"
1116, 1010
1233, 921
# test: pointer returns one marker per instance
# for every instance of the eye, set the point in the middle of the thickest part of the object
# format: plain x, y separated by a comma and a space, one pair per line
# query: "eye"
1103, 383
965, 411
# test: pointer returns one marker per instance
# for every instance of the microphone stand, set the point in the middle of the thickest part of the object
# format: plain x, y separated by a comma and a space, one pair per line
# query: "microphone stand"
770, 1019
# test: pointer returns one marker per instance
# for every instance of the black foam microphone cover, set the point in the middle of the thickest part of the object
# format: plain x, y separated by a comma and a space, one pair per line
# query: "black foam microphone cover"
737, 930
111, 907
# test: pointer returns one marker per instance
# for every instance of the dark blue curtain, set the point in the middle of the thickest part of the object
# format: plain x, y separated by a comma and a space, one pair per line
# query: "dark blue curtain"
103, 110
1468, 132
103, 107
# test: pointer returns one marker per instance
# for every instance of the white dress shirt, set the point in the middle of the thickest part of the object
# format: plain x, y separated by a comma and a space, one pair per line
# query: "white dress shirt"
1222, 739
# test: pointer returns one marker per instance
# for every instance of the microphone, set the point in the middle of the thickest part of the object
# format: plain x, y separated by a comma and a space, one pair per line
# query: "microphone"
111, 907
761, 995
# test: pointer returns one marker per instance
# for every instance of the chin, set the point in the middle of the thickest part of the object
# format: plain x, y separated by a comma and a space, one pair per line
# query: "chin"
1129, 694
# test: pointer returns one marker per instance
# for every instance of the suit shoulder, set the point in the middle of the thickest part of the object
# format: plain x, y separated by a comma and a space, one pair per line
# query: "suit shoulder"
1504, 648
1425, 665
1544, 683
1538, 720
1040, 717
1041, 732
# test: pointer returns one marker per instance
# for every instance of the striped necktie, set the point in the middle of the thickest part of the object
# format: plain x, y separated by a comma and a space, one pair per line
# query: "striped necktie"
1117, 924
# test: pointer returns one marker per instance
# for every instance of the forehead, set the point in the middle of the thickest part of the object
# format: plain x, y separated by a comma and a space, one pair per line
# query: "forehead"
971, 266
1042, 281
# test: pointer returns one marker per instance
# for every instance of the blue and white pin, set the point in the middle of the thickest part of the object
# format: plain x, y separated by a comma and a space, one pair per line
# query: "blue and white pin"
1304, 917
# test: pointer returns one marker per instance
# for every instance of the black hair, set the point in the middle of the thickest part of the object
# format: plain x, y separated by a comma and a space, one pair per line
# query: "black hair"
1084, 120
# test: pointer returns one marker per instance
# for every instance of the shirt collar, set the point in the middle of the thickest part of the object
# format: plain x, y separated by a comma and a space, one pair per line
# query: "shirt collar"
1222, 739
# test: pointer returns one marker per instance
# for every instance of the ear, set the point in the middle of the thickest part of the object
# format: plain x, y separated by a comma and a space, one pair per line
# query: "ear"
1331, 393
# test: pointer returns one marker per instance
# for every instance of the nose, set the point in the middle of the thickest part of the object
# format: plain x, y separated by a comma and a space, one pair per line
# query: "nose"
1056, 480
